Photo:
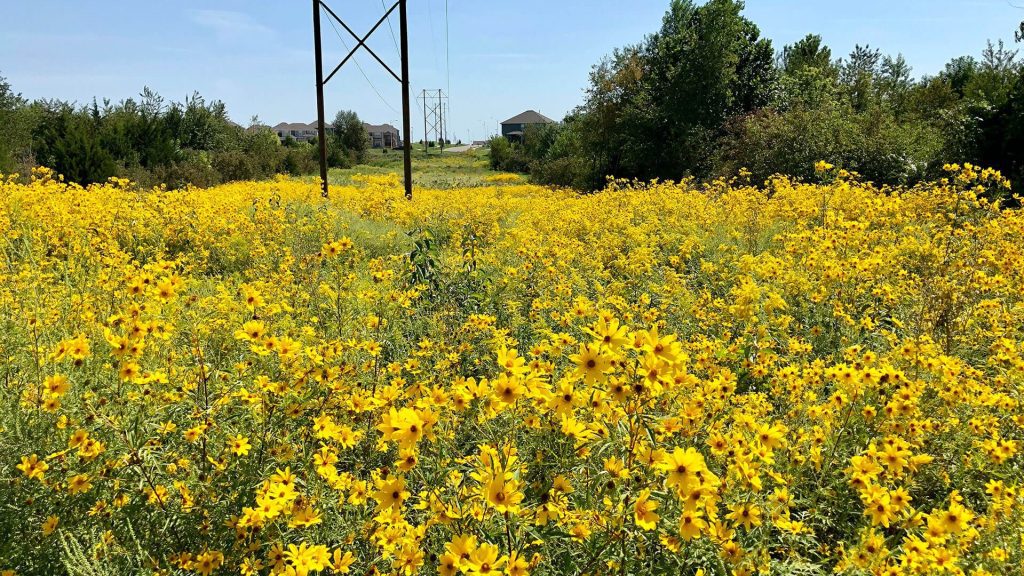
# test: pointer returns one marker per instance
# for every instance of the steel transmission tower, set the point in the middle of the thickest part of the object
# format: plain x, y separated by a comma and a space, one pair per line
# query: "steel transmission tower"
435, 117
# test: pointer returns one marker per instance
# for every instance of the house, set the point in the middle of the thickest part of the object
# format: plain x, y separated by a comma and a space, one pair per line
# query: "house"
299, 131
515, 127
383, 136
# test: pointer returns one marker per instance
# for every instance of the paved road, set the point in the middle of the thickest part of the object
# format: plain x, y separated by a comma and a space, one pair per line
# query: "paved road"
465, 148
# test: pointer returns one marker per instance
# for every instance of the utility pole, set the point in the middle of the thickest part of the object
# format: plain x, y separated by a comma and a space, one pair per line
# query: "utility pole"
321, 129
406, 122
361, 43
441, 102
426, 144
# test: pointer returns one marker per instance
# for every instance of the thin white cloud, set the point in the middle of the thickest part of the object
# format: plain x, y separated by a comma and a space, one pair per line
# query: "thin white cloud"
229, 25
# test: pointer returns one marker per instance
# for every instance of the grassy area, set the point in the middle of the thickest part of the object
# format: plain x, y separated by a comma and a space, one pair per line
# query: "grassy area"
452, 170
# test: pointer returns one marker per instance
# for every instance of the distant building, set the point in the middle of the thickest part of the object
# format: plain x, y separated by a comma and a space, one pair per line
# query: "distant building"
299, 131
382, 136
515, 127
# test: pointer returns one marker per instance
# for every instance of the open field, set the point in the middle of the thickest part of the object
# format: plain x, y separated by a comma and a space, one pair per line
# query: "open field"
453, 170
510, 379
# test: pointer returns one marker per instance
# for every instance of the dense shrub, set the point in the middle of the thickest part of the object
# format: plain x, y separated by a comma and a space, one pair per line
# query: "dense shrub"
153, 142
790, 142
506, 156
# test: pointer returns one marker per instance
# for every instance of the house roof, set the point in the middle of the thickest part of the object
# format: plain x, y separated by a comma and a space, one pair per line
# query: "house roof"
288, 126
529, 117
374, 128
294, 126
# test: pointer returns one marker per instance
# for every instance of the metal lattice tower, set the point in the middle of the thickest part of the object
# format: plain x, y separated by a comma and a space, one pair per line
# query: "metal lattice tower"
435, 116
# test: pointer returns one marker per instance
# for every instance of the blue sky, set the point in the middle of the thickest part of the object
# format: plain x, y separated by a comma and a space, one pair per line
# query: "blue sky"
505, 55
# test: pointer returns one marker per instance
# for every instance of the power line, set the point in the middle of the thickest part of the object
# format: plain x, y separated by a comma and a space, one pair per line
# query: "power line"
447, 51
433, 34
395, 40
361, 71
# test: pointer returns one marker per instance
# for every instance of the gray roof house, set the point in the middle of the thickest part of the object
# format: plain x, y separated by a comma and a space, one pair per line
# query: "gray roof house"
515, 127
297, 130
382, 136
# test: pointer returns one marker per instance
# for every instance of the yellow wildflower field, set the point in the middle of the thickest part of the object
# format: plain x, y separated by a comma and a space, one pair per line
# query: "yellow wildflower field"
659, 378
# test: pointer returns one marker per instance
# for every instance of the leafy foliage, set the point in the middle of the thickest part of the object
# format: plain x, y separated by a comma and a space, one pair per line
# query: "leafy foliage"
705, 96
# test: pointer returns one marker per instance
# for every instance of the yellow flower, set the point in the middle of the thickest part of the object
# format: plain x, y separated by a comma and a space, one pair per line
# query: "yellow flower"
952, 520
880, 509
253, 331
341, 563
33, 467
643, 511
56, 385
501, 492
208, 561
684, 468
390, 493
591, 364
303, 559
691, 524
447, 565
79, 483
485, 560
745, 514
510, 361
239, 445
508, 389
405, 426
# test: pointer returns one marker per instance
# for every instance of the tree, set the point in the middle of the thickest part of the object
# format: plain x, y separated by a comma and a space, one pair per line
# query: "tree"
996, 75
959, 72
808, 52
201, 126
68, 142
757, 79
15, 128
350, 135
858, 75
894, 84
670, 97
999, 140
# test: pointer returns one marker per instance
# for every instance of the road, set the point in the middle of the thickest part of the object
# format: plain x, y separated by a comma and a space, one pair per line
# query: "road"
465, 148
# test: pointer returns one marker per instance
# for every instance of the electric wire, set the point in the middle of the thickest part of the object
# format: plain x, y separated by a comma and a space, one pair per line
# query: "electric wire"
447, 61
393, 38
433, 34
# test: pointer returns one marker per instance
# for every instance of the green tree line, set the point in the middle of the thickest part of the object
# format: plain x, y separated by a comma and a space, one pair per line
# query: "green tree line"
706, 95
153, 142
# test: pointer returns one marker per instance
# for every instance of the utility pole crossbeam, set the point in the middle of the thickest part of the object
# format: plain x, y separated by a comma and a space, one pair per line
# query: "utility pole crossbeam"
361, 43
